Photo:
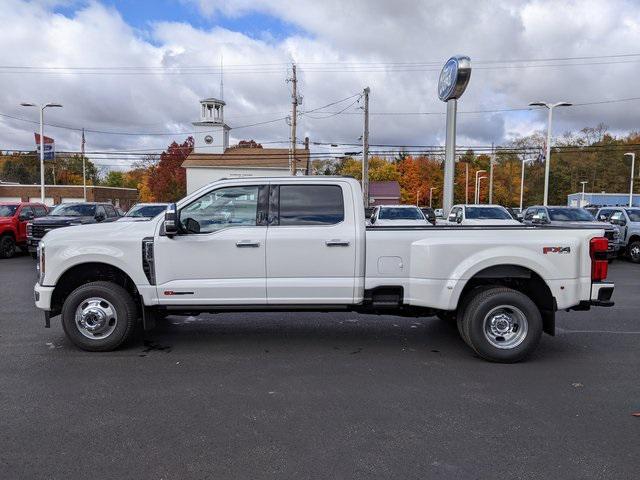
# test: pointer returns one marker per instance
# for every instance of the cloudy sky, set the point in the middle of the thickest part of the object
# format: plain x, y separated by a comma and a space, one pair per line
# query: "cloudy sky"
136, 70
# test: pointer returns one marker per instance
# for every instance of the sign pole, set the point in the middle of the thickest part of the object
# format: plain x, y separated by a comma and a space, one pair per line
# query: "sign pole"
42, 154
449, 156
452, 83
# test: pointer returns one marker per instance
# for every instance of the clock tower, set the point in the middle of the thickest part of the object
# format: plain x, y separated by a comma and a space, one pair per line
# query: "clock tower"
212, 134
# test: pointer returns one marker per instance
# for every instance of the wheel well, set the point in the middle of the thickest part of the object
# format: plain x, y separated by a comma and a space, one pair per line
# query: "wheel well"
88, 272
8, 233
522, 279
634, 238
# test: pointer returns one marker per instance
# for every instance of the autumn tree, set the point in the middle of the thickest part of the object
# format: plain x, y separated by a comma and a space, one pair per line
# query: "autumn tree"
167, 180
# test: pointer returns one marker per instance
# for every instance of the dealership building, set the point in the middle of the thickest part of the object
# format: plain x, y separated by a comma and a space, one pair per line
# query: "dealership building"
602, 199
56, 194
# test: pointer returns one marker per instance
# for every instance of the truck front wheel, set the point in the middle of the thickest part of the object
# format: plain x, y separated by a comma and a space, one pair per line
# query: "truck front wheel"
7, 246
501, 324
99, 316
634, 251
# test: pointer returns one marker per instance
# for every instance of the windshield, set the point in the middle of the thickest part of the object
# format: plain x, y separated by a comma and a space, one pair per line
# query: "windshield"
8, 210
570, 215
634, 214
73, 210
400, 214
487, 213
146, 210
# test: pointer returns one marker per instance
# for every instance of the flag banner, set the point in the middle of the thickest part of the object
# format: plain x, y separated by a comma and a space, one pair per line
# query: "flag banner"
49, 146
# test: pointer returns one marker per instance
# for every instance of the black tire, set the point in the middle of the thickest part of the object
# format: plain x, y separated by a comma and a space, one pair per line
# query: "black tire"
633, 251
462, 305
7, 246
121, 302
475, 317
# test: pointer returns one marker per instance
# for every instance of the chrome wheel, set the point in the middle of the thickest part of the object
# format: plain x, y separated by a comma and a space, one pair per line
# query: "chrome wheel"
96, 318
635, 252
505, 326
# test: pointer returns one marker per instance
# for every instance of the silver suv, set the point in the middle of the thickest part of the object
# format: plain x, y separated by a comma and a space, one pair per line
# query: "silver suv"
573, 217
628, 219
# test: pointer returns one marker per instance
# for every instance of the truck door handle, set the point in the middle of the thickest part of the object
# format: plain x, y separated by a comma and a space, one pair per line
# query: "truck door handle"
247, 244
337, 243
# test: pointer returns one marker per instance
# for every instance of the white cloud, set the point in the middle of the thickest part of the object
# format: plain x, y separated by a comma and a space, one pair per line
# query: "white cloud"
361, 32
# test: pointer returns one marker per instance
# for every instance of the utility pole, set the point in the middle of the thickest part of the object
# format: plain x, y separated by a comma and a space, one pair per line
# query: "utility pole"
294, 119
84, 170
491, 161
365, 150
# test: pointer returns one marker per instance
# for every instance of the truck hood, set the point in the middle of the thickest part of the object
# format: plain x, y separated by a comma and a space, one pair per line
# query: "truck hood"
50, 220
472, 221
97, 232
400, 223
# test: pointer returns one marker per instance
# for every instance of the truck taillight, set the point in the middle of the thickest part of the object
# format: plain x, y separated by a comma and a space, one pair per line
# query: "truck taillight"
599, 264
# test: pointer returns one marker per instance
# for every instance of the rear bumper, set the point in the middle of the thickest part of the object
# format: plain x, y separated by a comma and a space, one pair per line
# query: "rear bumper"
601, 293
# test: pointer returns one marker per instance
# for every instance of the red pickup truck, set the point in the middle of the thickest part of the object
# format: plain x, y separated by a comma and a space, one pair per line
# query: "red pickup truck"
14, 217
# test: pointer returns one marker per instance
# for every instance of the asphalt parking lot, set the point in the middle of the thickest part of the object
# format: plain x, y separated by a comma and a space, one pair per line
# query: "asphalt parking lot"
322, 396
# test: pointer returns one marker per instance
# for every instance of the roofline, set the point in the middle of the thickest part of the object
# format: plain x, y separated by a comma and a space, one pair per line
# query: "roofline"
66, 186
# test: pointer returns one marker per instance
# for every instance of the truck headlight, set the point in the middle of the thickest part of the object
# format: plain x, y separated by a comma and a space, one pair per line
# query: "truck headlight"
41, 263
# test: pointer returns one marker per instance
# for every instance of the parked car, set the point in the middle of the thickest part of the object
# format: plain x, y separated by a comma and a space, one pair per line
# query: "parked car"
398, 215
143, 211
13, 225
68, 214
429, 214
480, 215
628, 220
573, 217
301, 243
439, 213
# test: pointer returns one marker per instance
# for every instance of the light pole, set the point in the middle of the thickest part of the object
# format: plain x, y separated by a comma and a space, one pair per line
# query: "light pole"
475, 192
550, 107
633, 162
466, 183
417, 196
431, 195
584, 182
479, 186
522, 185
42, 107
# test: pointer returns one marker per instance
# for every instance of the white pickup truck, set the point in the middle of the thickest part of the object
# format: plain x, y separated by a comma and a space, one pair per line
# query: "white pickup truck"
300, 243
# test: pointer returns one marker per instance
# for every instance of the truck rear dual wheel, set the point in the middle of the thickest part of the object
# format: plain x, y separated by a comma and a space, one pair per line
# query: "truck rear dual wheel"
99, 316
501, 324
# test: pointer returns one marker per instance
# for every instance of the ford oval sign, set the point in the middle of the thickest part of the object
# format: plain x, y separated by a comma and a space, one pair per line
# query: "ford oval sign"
454, 77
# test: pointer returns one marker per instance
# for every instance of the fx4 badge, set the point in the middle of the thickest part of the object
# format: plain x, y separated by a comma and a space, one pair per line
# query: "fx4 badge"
563, 250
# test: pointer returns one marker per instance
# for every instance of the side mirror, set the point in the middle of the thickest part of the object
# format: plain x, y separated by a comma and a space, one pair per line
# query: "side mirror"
100, 217
26, 216
171, 220
459, 219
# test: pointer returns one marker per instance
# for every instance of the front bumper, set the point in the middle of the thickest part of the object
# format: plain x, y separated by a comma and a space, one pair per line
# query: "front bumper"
32, 244
42, 296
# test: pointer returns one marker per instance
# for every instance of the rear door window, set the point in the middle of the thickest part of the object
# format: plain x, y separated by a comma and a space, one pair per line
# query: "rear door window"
310, 205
